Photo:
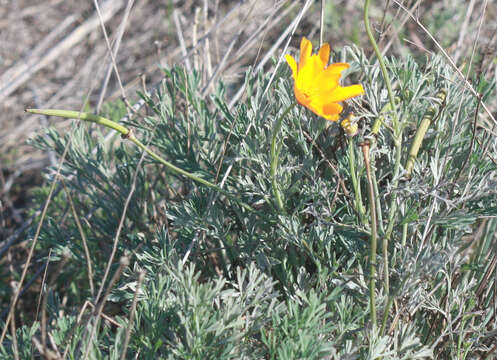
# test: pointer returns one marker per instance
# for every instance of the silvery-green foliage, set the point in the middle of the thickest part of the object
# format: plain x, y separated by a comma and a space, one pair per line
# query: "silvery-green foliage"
222, 282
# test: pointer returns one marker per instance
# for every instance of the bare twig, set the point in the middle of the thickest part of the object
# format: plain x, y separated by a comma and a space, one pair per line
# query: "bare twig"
462, 32
181, 40
48, 354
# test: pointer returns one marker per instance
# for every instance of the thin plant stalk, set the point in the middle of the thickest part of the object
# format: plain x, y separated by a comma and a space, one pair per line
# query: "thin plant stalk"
378, 201
275, 156
397, 138
372, 260
383, 68
404, 235
385, 315
128, 134
395, 122
321, 24
359, 207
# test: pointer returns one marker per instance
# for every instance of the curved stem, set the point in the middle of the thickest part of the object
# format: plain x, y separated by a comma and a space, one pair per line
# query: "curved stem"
274, 158
127, 134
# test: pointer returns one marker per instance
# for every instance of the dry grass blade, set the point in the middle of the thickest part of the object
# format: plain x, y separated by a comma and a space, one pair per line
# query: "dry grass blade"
109, 46
219, 280
393, 31
47, 353
256, 39
321, 23
14, 338
290, 30
132, 314
463, 32
449, 59
114, 51
43, 280
181, 39
227, 53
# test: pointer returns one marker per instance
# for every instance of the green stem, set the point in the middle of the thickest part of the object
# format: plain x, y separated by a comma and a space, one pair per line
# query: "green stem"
372, 206
81, 116
397, 138
429, 116
127, 134
385, 315
395, 120
386, 109
359, 207
393, 201
383, 68
378, 201
274, 158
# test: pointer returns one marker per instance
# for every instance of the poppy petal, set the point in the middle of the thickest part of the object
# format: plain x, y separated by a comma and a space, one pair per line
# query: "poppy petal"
293, 65
337, 68
302, 99
331, 111
317, 85
305, 52
343, 93
324, 54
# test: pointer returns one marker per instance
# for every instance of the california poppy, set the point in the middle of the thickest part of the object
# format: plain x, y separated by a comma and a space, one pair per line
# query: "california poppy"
316, 85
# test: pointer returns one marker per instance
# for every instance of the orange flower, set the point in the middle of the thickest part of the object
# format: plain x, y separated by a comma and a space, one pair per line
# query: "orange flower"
317, 85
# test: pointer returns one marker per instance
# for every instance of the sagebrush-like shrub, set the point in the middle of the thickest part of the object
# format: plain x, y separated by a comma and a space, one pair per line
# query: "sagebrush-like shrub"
223, 282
